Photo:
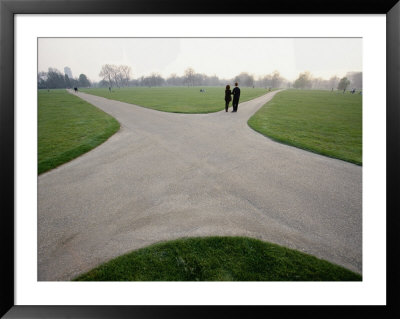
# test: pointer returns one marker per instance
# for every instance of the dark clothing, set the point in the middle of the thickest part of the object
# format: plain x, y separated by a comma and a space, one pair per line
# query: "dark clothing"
228, 94
236, 93
226, 106
236, 96
228, 98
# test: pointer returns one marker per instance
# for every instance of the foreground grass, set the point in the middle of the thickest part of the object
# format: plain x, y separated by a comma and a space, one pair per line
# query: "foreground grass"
218, 259
325, 122
68, 127
176, 99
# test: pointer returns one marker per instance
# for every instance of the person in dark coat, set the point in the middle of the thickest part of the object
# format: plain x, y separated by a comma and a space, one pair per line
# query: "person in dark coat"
236, 96
228, 97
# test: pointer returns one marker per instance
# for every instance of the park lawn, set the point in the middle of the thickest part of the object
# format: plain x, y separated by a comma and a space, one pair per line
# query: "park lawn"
218, 259
176, 99
68, 127
324, 122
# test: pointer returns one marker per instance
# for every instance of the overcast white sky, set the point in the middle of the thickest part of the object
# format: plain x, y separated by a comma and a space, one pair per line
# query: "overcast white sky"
224, 57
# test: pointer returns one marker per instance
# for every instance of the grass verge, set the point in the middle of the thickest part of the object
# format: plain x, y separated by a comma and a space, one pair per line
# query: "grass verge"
218, 259
176, 99
68, 127
324, 122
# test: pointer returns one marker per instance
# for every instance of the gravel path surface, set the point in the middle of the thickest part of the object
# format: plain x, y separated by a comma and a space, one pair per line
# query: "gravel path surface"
164, 176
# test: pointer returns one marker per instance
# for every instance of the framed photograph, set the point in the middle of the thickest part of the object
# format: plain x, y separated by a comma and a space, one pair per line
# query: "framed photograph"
365, 35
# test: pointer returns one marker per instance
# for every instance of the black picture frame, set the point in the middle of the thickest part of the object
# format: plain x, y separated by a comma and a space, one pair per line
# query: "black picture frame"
8, 8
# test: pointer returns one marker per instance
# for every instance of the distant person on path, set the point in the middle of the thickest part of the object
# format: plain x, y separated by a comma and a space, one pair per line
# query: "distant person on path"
75, 89
236, 96
228, 97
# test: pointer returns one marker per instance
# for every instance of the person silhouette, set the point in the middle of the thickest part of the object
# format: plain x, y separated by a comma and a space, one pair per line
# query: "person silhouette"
236, 96
228, 97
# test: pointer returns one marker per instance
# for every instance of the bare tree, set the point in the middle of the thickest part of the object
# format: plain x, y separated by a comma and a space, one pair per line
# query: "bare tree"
116, 75
333, 82
107, 73
266, 81
189, 76
42, 80
304, 81
244, 79
126, 74
55, 79
343, 84
276, 79
173, 79
317, 83
355, 79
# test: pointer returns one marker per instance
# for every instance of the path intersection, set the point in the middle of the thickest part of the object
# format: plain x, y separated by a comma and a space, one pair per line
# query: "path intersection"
164, 176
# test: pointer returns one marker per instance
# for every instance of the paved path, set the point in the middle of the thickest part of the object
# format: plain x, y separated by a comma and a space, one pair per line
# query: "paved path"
165, 176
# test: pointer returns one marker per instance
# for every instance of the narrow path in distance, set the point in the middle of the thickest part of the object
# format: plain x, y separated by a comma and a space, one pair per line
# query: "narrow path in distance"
165, 176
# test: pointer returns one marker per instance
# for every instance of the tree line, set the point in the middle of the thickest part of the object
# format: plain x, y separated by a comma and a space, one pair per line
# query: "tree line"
120, 76
54, 79
350, 80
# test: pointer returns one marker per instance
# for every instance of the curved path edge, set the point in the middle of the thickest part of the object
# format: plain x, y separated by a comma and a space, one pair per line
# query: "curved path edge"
164, 176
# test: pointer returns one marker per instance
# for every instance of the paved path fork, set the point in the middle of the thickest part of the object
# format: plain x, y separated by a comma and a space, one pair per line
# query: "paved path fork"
165, 176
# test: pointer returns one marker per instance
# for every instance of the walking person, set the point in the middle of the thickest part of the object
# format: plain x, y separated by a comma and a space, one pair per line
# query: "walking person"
236, 96
228, 97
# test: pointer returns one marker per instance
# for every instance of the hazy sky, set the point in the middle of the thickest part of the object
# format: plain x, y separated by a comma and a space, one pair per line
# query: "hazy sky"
224, 57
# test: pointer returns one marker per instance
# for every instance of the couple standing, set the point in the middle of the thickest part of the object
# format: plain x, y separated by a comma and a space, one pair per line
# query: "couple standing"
236, 95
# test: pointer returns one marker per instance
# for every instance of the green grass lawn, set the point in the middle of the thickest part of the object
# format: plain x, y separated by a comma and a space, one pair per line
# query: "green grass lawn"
218, 259
324, 122
68, 127
176, 99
